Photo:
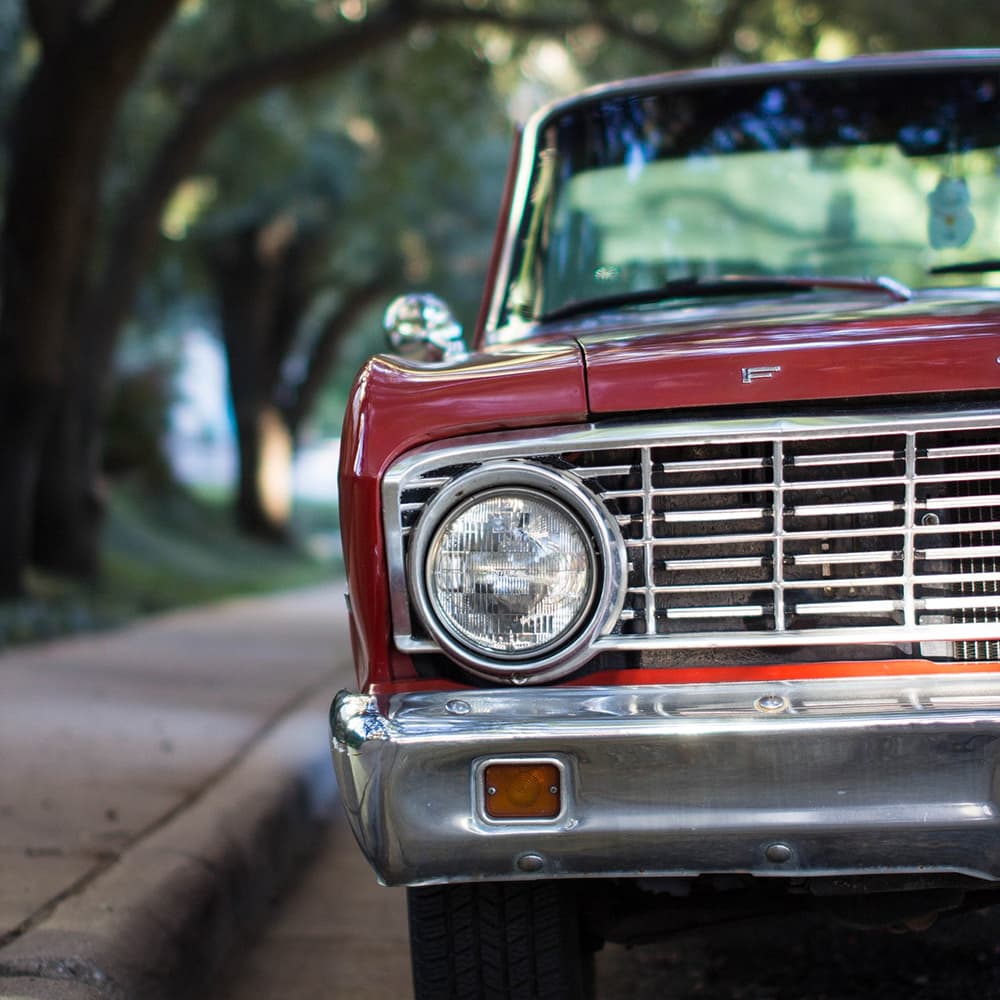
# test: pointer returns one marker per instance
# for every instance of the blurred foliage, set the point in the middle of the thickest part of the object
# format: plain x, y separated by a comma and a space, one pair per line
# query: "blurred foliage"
13, 42
402, 157
406, 152
164, 548
136, 426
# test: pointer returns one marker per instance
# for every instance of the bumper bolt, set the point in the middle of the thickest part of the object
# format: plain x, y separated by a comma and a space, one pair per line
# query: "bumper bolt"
530, 862
778, 853
458, 707
771, 704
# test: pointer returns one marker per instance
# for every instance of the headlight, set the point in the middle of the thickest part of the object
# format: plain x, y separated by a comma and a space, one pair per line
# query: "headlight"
514, 568
510, 572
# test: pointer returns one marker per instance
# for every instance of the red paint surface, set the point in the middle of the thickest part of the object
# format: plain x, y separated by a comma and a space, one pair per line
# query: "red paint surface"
886, 350
785, 672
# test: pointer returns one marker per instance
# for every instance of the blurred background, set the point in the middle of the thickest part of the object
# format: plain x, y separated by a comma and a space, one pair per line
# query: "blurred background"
207, 205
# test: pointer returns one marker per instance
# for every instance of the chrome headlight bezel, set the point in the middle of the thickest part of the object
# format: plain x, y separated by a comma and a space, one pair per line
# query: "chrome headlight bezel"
608, 563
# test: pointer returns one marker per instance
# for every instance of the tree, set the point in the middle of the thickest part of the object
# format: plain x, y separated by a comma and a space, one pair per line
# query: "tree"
59, 140
263, 277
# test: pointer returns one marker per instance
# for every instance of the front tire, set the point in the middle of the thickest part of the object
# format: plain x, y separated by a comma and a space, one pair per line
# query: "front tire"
497, 941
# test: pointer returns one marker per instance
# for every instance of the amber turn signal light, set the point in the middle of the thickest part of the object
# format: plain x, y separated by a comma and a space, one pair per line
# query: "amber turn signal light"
522, 791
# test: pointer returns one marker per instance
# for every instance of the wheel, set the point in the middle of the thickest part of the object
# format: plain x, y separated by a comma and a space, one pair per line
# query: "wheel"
497, 941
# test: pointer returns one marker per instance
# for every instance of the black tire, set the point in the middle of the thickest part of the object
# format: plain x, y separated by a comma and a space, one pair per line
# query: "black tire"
497, 941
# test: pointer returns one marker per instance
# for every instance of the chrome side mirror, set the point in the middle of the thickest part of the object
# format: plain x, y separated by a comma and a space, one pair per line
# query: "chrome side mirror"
421, 327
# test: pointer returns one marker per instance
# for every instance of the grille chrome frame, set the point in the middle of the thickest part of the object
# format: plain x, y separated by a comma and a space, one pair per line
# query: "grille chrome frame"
918, 544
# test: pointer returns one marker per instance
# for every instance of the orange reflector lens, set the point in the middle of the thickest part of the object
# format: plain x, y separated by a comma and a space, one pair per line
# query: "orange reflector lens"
522, 791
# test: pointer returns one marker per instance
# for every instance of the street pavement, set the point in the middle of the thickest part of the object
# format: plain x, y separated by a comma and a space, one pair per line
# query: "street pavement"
159, 785
340, 936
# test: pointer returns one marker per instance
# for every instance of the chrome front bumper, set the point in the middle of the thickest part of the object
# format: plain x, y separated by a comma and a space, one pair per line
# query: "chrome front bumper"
790, 779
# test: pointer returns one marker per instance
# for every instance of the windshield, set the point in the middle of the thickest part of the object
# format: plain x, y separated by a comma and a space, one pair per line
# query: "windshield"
894, 174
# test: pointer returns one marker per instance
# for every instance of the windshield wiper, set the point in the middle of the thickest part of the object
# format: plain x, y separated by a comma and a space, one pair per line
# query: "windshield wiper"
969, 267
727, 284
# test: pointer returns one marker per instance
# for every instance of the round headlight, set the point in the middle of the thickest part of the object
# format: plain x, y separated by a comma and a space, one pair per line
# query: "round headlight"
510, 572
515, 569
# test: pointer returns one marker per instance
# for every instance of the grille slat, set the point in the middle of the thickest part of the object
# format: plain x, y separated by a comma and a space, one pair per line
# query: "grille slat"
843, 458
731, 513
961, 552
716, 611
848, 608
963, 451
843, 484
681, 565
703, 588
954, 503
848, 509
727, 489
722, 465
842, 558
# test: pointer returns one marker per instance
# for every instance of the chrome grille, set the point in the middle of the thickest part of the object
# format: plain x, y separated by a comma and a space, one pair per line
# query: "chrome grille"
881, 528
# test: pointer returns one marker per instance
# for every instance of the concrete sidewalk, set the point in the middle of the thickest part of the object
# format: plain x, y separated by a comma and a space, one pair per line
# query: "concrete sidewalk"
158, 786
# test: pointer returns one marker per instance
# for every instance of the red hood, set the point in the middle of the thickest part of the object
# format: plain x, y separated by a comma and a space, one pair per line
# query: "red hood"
774, 351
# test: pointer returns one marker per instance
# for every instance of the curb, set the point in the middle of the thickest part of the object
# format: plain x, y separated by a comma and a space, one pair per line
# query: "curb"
162, 920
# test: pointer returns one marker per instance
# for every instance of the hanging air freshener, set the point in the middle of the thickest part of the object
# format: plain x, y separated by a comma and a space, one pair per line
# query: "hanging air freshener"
951, 222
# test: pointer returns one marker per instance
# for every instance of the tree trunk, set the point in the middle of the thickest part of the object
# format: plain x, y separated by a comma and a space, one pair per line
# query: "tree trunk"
263, 504
59, 139
49, 222
23, 412
70, 502
253, 280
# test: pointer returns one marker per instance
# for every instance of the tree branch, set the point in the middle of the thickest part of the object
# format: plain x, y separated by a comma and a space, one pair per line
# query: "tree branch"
678, 53
51, 20
126, 30
302, 398
136, 234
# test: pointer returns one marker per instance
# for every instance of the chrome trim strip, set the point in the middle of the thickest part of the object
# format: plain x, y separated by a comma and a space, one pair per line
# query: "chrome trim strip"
909, 426
955, 631
777, 462
841, 558
859, 776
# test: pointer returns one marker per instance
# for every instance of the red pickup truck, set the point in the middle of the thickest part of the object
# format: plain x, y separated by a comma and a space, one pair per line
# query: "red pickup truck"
676, 593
